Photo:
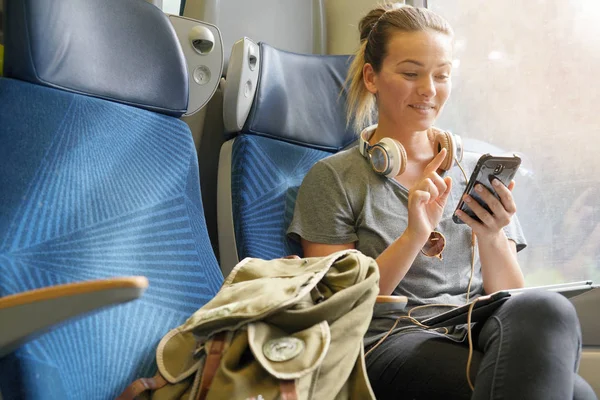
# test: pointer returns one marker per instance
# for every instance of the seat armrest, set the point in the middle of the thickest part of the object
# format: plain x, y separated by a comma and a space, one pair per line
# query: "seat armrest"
24, 316
391, 299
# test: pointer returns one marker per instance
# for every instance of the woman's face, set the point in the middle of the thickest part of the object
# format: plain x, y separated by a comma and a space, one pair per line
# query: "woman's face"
414, 81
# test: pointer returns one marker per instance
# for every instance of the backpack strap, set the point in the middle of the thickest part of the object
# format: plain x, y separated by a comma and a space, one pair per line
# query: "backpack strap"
141, 385
213, 360
288, 390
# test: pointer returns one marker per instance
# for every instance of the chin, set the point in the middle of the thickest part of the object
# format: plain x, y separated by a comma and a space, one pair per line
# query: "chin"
419, 124
423, 125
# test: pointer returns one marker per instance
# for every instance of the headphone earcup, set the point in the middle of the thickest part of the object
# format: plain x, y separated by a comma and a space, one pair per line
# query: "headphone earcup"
388, 157
444, 140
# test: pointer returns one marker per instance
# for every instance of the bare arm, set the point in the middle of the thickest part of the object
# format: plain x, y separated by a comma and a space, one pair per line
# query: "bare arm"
313, 249
500, 268
426, 202
393, 263
396, 260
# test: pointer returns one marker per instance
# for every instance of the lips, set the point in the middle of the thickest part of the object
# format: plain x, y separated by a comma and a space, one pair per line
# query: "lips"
422, 109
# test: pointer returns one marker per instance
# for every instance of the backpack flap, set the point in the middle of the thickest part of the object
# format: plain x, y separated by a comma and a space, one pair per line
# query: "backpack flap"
262, 361
176, 355
289, 356
256, 289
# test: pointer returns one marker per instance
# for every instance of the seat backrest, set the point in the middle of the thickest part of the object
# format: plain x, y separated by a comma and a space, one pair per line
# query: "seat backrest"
293, 25
99, 179
297, 117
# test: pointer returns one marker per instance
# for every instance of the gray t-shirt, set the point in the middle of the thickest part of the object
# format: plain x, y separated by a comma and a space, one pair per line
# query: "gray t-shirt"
342, 200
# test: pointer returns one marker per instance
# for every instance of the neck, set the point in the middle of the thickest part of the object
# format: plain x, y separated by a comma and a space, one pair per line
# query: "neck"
416, 143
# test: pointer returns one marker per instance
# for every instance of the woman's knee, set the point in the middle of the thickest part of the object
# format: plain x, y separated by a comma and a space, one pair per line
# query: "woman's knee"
542, 310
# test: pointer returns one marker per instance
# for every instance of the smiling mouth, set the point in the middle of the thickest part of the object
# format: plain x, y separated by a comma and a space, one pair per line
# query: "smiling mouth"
420, 107
423, 110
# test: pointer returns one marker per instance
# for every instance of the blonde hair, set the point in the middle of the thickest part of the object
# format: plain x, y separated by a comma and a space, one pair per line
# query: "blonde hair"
375, 31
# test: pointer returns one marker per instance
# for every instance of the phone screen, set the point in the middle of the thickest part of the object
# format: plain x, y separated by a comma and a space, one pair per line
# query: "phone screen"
488, 168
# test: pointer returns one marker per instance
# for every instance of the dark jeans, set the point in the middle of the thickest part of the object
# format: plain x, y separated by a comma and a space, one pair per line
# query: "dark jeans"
528, 348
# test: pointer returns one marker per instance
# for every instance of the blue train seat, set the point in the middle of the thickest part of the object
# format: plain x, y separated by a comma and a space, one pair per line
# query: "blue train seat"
99, 179
295, 117
292, 25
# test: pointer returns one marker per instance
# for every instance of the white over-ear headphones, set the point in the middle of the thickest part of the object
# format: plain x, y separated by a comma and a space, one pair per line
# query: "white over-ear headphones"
388, 157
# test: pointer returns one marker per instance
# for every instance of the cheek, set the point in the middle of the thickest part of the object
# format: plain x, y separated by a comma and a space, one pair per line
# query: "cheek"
443, 92
400, 89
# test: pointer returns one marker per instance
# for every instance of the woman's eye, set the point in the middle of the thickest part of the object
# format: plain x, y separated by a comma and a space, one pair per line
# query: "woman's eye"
410, 74
443, 77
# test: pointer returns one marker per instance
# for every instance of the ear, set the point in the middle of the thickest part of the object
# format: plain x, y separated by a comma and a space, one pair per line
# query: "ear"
370, 78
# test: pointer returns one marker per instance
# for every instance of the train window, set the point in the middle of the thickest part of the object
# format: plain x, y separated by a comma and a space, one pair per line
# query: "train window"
524, 81
171, 6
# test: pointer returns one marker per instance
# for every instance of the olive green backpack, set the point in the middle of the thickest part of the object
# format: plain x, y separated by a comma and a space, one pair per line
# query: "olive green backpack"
281, 329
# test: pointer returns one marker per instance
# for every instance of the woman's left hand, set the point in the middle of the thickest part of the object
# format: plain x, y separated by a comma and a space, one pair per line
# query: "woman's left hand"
501, 210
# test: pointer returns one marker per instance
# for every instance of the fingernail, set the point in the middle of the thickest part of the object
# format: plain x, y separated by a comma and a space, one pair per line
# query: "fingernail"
467, 199
479, 188
495, 182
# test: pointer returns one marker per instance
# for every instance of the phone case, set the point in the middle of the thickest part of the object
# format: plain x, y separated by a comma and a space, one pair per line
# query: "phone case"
488, 167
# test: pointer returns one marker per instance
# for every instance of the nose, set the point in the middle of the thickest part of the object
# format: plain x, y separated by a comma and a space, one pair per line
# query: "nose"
426, 87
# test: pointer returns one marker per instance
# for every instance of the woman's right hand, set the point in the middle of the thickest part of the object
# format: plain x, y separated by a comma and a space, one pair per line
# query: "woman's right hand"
427, 199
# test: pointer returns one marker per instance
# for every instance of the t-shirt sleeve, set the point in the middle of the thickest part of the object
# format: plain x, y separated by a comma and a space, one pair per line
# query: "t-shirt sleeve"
322, 212
514, 232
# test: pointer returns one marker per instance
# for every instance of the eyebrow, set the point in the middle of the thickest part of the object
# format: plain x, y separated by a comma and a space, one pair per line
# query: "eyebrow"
420, 64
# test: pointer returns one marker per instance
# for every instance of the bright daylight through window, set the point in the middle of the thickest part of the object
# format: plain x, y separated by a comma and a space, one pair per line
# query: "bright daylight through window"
525, 80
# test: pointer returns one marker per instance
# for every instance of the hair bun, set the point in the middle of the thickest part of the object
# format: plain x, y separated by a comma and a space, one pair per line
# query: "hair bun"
368, 22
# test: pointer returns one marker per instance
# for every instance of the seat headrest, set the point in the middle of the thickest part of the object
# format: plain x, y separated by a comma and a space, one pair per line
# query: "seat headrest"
301, 98
120, 50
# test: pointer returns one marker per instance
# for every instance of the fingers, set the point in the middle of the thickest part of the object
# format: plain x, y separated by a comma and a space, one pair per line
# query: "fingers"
500, 211
434, 185
418, 196
434, 165
505, 195
471, 222
444, 196
432, 188
484, 215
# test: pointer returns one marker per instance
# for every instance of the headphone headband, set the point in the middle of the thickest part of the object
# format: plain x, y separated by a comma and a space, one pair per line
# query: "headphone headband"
365, 136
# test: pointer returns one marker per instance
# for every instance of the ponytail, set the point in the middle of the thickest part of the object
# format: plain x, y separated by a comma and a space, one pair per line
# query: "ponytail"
361, 103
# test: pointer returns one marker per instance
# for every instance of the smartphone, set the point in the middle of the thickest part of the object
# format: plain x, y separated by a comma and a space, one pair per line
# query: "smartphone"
488, 167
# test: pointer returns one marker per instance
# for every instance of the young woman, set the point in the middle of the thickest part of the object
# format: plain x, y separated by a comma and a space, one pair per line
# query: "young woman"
393, 198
